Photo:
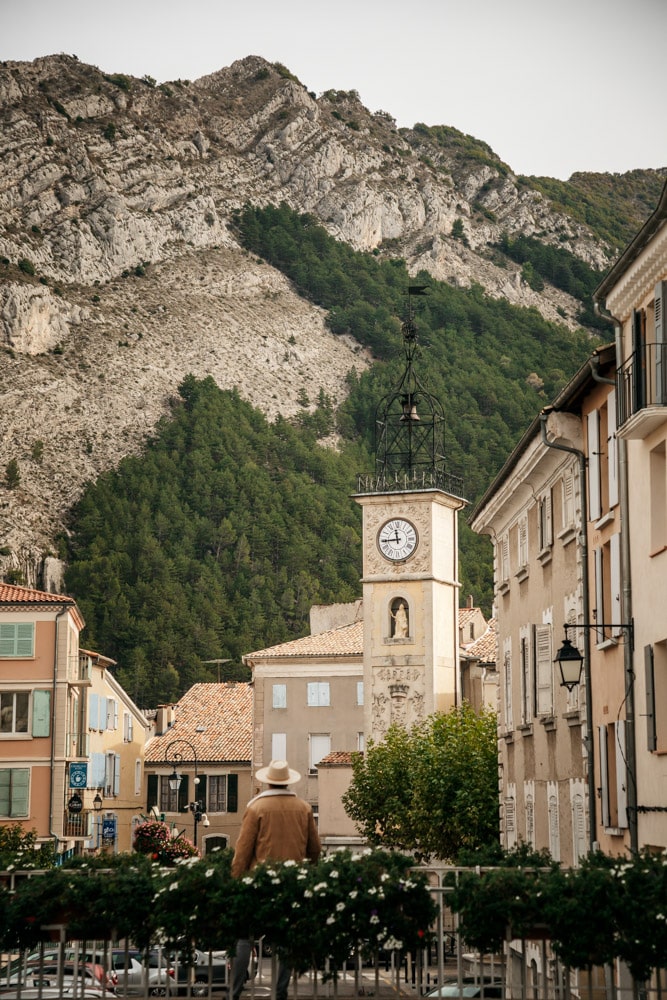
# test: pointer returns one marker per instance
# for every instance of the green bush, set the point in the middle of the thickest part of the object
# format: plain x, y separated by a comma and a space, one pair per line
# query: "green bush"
26, 266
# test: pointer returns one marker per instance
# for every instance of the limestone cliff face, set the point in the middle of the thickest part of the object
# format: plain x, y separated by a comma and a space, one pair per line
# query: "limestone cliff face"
120, 274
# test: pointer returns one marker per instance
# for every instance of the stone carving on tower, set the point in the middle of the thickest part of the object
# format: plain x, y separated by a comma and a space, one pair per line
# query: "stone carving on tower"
410, 556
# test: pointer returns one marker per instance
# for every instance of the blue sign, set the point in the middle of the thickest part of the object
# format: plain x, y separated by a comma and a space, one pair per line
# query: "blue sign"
78, 775
109, 828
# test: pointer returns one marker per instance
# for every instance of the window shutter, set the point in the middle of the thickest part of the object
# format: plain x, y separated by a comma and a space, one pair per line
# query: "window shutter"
114, 704
615, 576
151, 791
604, 775
116, 775
505, 558
5, 788
599, 592
543, 670
97, 770
103, 718
660, 344
200, 790
621, 773
41, 713
20, 791
93, 710
613, 449
232, 793
593, 425
651, 729
280, 696
548, 520
279, 746
568, 500
183, 796
17, 639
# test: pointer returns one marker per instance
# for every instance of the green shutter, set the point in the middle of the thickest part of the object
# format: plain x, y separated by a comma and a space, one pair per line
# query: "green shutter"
232, 793
5, 786
41, 713
152, 795
17, 639
20, 791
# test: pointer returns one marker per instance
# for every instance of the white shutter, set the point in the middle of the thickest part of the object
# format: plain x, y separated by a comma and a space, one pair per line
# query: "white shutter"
599, 592
279, 700
543, 670
504, 558
593, 425
568, 500
279, 746
612, 449
320, 746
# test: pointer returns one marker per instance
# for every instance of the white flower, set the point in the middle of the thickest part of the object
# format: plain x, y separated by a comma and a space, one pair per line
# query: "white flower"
331, 920
320, 886
270, 871
340, 907
275, 881
372, 891
300, 878
290, 863
374, 919
209, 872
247, 880
308, 894
353, 894
333, 874
295, 905
174, 885
384, 877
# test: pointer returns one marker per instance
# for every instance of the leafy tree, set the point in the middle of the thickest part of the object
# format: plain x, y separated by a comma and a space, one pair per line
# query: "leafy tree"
12, 474
19, 849
432, 790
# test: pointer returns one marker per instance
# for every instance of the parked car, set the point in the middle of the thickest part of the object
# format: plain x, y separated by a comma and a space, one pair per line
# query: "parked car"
53, 993
194, 980
31, 963
469, 987
140, 974
48, 974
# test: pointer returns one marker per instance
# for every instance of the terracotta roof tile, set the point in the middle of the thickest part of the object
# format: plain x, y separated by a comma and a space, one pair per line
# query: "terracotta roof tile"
12, 594
485, 649
348, 640
216, 719
338, 758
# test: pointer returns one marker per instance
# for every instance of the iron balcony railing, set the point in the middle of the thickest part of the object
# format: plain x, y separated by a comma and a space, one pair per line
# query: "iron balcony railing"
642, 381
403, 482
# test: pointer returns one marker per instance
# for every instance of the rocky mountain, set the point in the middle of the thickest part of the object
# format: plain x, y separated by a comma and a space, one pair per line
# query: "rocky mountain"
120, 272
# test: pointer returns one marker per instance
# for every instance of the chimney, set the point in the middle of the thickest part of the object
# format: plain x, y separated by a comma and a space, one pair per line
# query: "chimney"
471, 602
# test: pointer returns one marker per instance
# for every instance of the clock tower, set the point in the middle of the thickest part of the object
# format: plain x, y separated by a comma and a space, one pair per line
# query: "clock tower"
410, 558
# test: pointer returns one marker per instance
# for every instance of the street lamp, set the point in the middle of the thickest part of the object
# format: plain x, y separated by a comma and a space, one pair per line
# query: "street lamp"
97, 803
570, 660
196, 807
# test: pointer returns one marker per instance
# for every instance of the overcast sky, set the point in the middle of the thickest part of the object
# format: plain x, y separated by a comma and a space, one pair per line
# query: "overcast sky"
553, 86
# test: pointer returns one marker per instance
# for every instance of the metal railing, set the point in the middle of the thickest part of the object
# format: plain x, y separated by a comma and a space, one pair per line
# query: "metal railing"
642, 381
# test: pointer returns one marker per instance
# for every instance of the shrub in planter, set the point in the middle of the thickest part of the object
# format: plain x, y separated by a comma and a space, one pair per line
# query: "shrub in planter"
156, 839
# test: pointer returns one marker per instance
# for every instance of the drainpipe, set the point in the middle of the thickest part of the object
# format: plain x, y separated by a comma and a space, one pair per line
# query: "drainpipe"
588, 687
62, 611
626, 605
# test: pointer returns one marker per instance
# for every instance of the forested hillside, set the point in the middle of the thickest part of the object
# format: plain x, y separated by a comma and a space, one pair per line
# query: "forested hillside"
218, 540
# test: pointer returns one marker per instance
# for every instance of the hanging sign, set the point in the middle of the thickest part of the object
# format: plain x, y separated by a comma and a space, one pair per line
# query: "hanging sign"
78, 775
75, 804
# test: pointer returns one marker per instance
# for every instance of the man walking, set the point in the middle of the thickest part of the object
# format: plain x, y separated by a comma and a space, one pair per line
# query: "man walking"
277, 826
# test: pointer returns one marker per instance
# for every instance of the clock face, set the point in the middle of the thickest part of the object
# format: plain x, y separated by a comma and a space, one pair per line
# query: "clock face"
397, 539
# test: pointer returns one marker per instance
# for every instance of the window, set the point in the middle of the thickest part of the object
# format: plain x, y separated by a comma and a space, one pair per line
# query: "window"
279, 746
17, 639
509, 815
526, 680
507, 665
320, 746
112, 775
128, 727
658, 498
217, 793
655, 666
545, 522
613, 797
594, 479
14, 706
137, 776
112, 714
544, 698
522, 547
14, 789
504, 559
318, 694
361, 742
360, 692
568, 500
168, 799
554, 820
280, 695
579, 845
608, 587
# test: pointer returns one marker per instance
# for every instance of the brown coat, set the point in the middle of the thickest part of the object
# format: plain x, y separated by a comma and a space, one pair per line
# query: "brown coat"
277, 826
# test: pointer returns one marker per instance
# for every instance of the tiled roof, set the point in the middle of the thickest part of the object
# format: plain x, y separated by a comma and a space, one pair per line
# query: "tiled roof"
12, 594
216, 719
348, 640
465, 614
338, 758
485, 649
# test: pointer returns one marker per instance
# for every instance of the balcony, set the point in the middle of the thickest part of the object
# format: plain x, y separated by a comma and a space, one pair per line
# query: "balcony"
78, 745
78, 826
641, 388
80, 670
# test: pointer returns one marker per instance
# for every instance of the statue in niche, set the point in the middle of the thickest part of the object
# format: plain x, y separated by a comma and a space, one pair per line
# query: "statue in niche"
400, 624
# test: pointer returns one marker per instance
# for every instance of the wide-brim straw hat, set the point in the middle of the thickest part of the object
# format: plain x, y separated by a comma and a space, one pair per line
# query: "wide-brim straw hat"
277, 773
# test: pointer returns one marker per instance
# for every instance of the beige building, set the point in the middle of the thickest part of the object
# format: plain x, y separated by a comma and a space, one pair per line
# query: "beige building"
534, 512
206, 740
634, 294
69, 767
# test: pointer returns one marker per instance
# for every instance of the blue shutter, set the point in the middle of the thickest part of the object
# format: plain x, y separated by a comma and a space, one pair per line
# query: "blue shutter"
97, 770
104, 709
116, 775
41, 713
93, 711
